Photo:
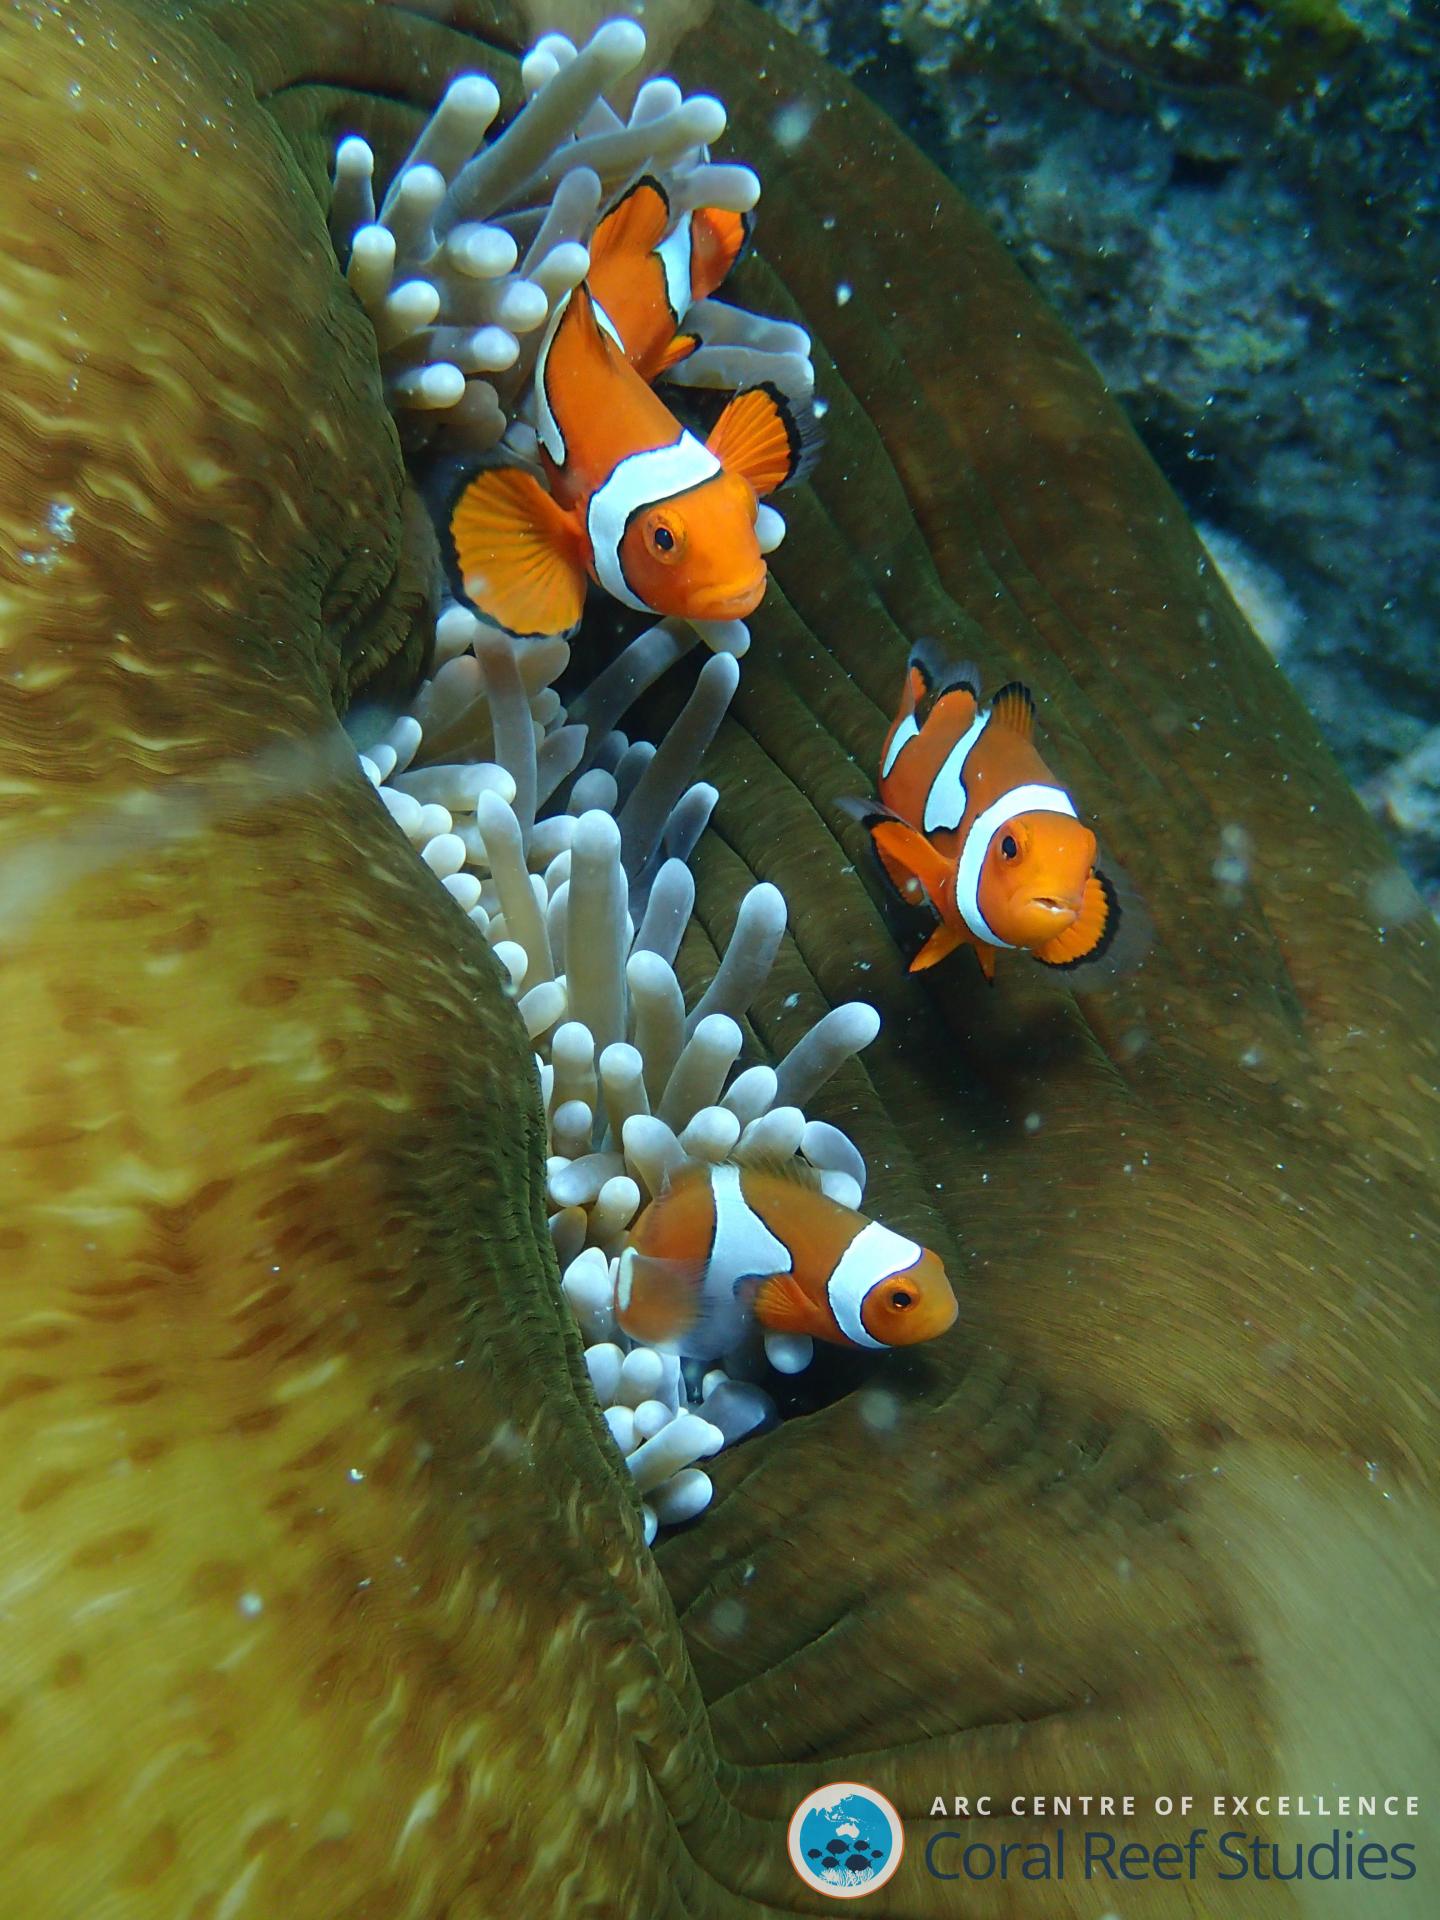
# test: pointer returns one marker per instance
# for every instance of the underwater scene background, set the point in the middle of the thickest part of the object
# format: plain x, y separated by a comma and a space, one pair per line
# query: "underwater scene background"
549, 1357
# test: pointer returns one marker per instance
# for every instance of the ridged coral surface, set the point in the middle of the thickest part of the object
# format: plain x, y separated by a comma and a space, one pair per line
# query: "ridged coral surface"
324, 1594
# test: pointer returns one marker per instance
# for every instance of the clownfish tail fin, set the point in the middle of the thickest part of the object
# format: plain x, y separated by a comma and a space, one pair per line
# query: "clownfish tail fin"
518, 553
1014, 709
718, 239
767, 437
941, 672
661, 1302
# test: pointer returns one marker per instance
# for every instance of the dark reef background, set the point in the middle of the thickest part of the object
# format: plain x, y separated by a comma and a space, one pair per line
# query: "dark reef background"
1233, 207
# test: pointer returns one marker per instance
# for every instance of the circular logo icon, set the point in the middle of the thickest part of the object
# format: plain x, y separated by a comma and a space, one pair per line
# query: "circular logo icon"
846, 1840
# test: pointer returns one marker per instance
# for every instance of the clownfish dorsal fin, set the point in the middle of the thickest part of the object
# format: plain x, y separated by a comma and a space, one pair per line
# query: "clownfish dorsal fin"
906, 847
767, 438
1014, 709
781, 1305
634, 226
519, 553
787, 1167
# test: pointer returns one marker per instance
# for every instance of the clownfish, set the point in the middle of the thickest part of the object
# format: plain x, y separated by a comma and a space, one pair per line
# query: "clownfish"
664, 522
971, 817
722, 1246
644, 280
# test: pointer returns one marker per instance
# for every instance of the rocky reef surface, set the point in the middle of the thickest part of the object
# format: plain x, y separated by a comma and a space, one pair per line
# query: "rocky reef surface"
1233, 209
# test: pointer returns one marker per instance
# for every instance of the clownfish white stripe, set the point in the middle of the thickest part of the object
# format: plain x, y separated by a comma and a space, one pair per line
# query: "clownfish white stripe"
743, 1248
1032, 799
547, 427
674, 257
908, 730
604, 322
945, 802
872, 1256
639, 481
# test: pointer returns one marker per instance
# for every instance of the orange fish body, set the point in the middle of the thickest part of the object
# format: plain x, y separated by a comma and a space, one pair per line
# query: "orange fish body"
727, 1245
664, 522
645, 279
973, 819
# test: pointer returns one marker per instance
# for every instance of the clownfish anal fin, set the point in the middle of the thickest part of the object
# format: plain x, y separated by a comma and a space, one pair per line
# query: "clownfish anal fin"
780, 1305
635, 225
767, 438
1014, 709
518, 553
941, 944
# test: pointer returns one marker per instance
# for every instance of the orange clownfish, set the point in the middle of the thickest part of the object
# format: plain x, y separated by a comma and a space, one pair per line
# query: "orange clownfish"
644, 281
972, 817
664, 522
723, 1246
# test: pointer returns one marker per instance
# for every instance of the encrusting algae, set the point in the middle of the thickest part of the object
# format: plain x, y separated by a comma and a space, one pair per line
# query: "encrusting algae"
326, 1592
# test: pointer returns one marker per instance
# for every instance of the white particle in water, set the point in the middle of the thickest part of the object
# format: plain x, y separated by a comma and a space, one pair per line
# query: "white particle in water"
844, 293
728, 1619
878, 1409
792, 123
250, 1604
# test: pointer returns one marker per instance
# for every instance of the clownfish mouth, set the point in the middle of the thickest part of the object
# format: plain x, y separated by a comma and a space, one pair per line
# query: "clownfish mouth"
1070, 908
732, 606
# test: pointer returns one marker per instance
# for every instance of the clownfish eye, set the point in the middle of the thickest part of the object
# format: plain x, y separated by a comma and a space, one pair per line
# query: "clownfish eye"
663, 538
1009, 849
900, 1299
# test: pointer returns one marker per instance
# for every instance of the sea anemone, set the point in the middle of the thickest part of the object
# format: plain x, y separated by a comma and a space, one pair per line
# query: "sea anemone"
475, 244
564, 839
566, 844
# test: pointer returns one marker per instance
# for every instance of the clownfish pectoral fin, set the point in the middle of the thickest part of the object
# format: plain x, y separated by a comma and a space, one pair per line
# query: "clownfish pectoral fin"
1110, 935
941, 944
1089, 935
661, 1302
634, 226
519, 553
680, 348
767, 438
781, 1305
717, 240
1014, 709
904, 847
